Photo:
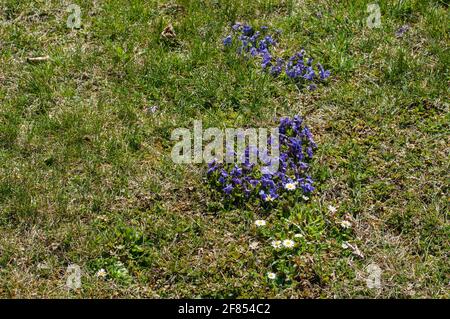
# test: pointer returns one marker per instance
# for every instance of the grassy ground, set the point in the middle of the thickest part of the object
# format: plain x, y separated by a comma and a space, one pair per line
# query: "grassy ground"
86, 176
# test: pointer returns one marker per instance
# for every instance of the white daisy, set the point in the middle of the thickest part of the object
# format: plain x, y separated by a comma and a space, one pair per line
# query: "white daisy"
271, 275
346, 224
276, 244
288, 243
290, 186
332, 209
101, 273
260, 222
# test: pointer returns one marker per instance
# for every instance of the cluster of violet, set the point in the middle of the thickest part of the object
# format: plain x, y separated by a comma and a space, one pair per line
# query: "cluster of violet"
258, 44
247, 180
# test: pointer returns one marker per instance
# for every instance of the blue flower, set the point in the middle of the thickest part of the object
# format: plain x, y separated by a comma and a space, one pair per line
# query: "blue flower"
236, 26
267, 182
307, 188
310, 74
322, 73
266, 60
249, 180
254, 37
236, 181
247, 30
236, 171
227, 41
228, 189
276, 69
254, 182
211, 169
262, 48
212, 166
303, 166
269, 40
222, 180
268, 197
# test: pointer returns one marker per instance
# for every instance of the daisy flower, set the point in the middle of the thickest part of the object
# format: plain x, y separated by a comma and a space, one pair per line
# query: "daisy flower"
288, 243
101, 273
260, 222
271, 275
332, 209
276, 244
290, 186
346, 224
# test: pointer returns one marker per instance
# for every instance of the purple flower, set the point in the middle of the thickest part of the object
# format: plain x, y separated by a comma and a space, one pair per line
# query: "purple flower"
322, 73
228, 189
254, 182
222, 180
236, 26
212, 166
236, 181
269, 40
309, 151
303, 166
267, 182
276, 69
211, 169
268, 197
262, 48
247, 30
249, 180
227, 41
236, 171
310, 74
266, 60
254, 37
402, 30
307, 188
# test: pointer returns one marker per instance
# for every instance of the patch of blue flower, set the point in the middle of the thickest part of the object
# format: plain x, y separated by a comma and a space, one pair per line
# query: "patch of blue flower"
248, 182
257, 43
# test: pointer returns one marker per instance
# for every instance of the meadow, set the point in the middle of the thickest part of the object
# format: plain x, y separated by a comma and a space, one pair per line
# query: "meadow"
87, 178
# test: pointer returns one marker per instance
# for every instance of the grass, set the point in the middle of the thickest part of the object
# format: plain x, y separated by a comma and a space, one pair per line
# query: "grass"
86, 176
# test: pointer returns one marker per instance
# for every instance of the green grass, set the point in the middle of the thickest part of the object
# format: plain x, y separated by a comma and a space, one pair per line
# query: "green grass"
86, 175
